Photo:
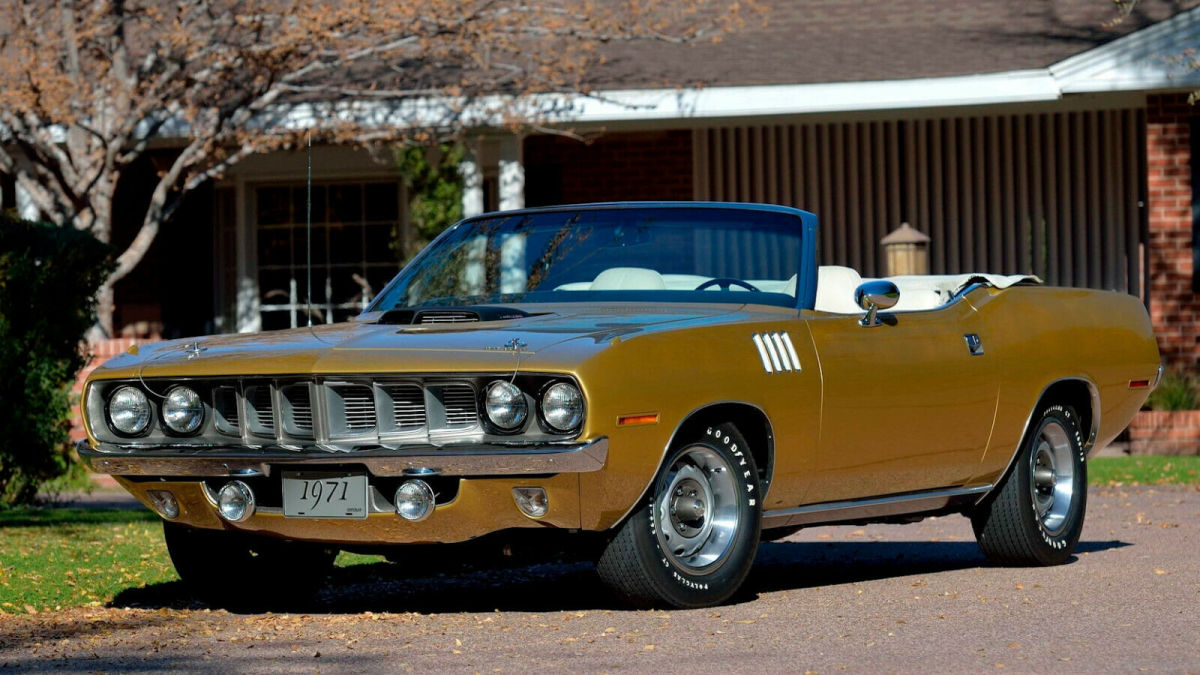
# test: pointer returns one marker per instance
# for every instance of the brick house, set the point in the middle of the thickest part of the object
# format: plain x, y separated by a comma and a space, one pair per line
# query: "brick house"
1021, 137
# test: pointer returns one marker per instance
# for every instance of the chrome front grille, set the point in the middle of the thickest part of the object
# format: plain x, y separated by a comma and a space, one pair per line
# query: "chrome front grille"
458, 401
225, 409
408, 406
260, 409
355, 412
358, 405
297, 409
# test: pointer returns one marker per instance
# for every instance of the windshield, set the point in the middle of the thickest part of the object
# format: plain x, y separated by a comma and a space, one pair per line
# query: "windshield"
663, 254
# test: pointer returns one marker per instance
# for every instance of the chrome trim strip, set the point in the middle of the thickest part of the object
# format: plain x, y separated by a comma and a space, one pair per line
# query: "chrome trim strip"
762, 352
1090, 442
450, 460
866, 509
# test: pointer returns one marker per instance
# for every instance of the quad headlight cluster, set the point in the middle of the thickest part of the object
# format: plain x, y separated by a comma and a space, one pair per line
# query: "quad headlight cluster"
539, 407
507, 407
130, 411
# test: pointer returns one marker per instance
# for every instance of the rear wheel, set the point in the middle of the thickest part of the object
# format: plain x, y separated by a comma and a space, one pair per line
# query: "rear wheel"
234, 569
1037, 514
692, 541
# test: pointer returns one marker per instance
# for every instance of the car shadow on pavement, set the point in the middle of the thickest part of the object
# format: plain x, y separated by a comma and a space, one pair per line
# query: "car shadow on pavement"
384, 587
791, 565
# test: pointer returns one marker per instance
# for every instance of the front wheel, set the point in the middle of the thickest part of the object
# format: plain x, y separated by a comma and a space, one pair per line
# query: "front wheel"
1036, 516
693, 539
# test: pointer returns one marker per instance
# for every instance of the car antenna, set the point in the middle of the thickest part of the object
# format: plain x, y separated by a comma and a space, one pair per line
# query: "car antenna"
308, 236
308, 240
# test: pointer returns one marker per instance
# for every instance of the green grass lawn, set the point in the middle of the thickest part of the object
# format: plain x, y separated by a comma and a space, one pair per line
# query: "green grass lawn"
1144, 470
55, 558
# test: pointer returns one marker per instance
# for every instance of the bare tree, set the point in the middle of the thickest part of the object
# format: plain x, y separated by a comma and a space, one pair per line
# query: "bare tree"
86, 86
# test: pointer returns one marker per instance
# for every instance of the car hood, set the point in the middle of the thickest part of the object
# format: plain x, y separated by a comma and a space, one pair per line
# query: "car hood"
542, 337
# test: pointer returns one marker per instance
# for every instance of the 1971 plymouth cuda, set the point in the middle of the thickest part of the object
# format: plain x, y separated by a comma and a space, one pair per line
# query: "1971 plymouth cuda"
673, 382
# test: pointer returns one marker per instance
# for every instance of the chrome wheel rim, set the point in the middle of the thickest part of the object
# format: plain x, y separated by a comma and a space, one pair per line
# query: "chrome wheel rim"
697, 511
1052, 477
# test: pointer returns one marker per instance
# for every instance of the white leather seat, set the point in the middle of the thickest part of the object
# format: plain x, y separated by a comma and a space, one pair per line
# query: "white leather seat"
835, 290
628, 279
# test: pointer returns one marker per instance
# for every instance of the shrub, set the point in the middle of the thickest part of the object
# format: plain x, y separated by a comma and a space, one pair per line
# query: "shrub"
435, 191
1176, 391
48, 281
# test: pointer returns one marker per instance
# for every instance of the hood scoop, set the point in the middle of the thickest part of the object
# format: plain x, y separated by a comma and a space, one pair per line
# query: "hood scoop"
406, 317
445, 316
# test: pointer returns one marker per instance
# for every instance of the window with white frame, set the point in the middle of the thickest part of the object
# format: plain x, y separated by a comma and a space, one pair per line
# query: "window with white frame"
353, 226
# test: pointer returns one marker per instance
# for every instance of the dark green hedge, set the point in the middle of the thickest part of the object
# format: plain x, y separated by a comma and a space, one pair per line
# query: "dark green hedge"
48, 281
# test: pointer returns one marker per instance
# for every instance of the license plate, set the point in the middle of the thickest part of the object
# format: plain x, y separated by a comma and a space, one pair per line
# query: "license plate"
308, 494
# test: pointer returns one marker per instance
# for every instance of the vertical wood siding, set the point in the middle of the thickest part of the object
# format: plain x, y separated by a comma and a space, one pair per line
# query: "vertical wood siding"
1057, 194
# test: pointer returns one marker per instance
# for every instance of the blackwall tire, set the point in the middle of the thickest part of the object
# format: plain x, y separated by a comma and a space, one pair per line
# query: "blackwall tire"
1036, 515
693, 539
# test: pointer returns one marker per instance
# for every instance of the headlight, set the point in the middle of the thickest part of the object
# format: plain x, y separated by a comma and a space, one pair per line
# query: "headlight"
562, 406
505, 405
129, 411
182, 410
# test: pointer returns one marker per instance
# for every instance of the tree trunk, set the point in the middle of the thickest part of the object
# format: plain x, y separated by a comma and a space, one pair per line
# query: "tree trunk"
103, 328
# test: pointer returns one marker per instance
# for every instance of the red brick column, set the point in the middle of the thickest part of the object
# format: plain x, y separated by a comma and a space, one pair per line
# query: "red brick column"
1174, 307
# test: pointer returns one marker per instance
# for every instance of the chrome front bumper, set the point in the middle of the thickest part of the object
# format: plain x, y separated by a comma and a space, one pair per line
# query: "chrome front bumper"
457, 460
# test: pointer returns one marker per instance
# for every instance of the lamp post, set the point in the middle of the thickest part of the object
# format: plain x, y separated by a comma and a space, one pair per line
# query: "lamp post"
906, 250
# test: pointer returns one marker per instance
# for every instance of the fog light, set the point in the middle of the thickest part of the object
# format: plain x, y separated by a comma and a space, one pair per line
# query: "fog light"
414, 500
164, 502
532, 501
235, 501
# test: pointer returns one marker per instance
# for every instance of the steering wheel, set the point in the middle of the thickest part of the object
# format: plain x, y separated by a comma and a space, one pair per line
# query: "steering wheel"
726, 282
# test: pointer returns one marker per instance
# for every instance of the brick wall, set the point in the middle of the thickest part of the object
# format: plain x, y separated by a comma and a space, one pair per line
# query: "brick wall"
1174, 306
1165, 432
99, 351
645, 165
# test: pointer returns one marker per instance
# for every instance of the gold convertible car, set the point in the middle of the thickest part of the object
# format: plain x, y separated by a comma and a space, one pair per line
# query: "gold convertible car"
669, 383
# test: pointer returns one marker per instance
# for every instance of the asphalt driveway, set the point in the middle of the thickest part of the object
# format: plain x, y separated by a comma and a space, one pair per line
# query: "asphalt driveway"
888, 597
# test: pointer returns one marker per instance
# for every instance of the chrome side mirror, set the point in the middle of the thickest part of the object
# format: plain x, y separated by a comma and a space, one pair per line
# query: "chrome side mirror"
874, 296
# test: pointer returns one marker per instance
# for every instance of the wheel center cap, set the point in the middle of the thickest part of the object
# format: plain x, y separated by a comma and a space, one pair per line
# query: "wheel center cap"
688, 508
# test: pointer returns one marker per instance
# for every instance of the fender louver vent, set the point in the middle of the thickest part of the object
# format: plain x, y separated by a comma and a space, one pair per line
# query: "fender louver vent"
776, 352
446, 316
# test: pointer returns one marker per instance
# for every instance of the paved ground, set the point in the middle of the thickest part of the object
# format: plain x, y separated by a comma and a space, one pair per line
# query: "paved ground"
893, 598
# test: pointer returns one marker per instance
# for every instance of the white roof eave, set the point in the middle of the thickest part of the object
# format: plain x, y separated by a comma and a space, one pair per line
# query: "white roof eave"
791, 99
